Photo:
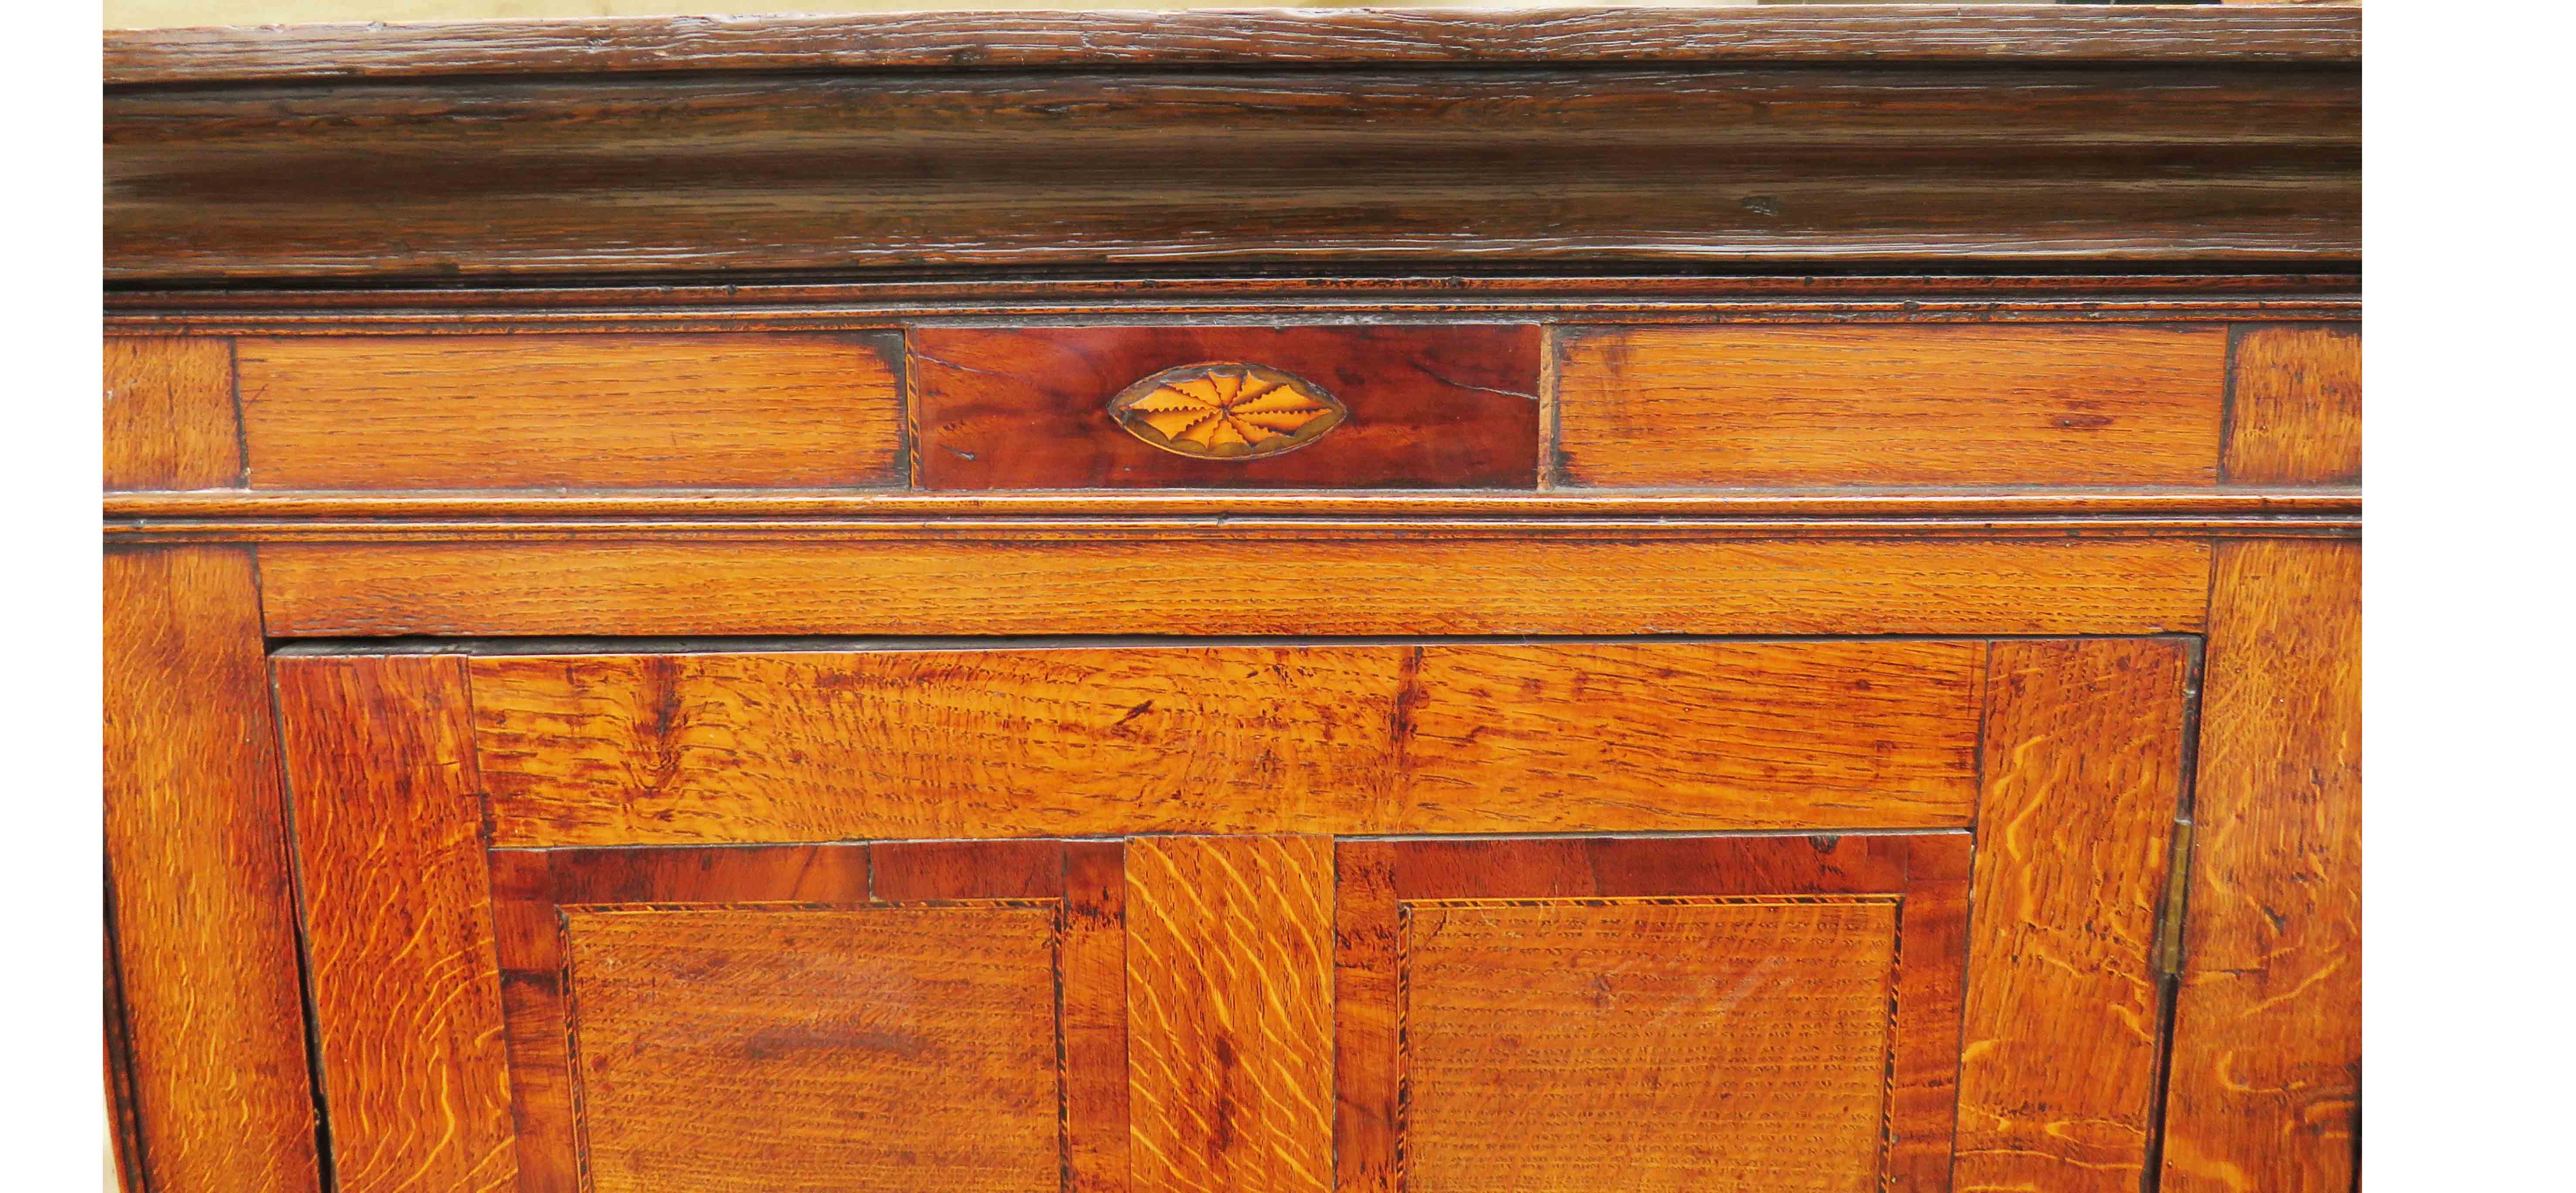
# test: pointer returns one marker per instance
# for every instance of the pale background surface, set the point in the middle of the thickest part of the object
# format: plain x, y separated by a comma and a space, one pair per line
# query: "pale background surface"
152, 14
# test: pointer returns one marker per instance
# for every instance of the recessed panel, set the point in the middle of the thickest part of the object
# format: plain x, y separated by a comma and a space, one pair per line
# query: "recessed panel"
1647, 1046
760, 1050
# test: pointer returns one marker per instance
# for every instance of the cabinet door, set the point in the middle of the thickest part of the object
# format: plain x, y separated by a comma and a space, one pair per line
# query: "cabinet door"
1375, 918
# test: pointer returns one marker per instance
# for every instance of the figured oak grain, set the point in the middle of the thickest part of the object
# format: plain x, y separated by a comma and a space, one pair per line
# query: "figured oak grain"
2266, 1075
1654, 1047
398, 923
2296, 414
1890, 405
1541, 582
790, 1050
168, 418
1230, 1013
2082, 781
200, 878
1576, 736
598, 411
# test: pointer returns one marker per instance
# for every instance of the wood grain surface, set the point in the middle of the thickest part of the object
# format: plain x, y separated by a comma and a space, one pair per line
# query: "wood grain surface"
405, 981
2296, 414
2266, 1082
1571, 881
199, 879
823, 1070
638, 177
781, 1050
780, 747
2065, 1008
603, 411
1919, 405
1933, 33
1539, 583
1230, 1013
169, 421
1650, 1047
1027, 408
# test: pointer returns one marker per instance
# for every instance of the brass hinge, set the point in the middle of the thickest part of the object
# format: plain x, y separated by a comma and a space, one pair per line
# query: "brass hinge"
2168, 946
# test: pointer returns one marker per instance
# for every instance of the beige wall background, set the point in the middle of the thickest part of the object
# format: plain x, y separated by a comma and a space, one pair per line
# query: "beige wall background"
166, 14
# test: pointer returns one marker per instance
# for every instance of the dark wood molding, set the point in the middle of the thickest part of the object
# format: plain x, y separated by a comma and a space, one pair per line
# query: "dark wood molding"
1214, 37
2002, 138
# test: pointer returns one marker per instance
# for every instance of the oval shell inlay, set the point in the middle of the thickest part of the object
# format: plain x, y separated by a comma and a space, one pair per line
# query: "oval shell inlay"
1227, 411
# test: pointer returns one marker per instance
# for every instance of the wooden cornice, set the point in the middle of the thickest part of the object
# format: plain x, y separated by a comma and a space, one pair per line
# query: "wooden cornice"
1907, 138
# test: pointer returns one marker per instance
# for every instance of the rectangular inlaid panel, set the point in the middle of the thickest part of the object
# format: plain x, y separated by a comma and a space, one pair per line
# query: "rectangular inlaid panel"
167, 413
1750, 1013
1551, 583
1646, 1047
1914, 404
1418, 407
689, 748
1230, 1013
1018, 937
769, 1050
604, 410
2295, 413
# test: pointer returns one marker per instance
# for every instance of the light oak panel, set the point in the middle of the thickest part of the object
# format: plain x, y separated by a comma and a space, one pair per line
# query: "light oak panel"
199, 878
606, 410
1653, 1048
769, 1050
398, 922
1541, 583
1890, 405
1230, 1013
688, 748
168, 413
2083, 779
1534, 738
2296, 413
2266, 1080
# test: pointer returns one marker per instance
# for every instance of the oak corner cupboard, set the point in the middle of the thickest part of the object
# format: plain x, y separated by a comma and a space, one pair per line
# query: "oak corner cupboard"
1741, 600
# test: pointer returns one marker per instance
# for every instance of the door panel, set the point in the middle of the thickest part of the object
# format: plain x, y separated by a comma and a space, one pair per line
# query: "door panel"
1077, 997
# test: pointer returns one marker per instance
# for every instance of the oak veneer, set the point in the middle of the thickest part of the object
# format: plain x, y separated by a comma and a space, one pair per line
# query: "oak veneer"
761, 747
1538, 583
613, 411
1837, 405
1115, 839
199, 884
170, 420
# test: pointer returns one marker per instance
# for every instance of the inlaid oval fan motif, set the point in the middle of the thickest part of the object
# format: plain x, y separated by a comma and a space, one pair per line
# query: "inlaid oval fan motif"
1227, 411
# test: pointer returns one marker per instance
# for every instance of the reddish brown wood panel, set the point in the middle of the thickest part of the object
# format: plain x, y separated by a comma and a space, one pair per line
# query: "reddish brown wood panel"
1543, 582
1890, 405
199, 881
600, 410
1230, 1013
1027, 408
1540, 955
806, 1050
691, 748
398, 922
2065, 1009
169, 421
2266, 1080
2295, 417
839, 1084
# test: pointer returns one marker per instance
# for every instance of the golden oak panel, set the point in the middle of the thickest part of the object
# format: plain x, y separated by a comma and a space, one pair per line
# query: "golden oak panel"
682, 748
1646, 1047
605, 410
1903, 405
169, 418
786, 1049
